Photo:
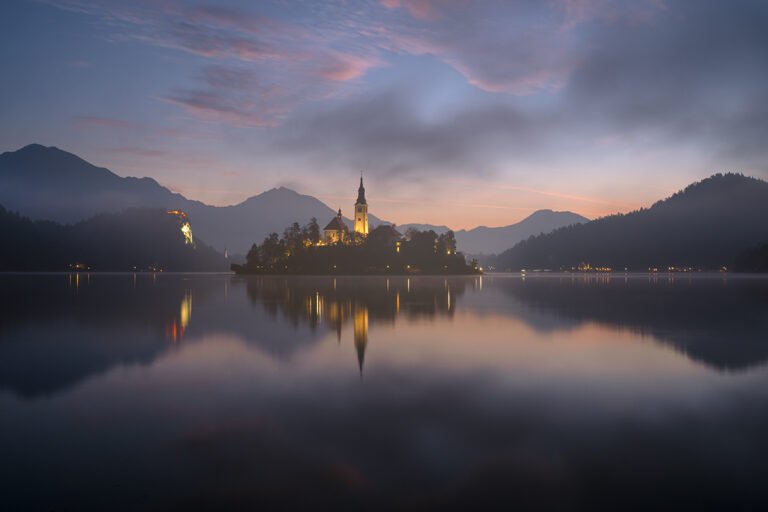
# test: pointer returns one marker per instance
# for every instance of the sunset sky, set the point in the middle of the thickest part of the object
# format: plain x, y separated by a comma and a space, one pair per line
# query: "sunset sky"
459, 113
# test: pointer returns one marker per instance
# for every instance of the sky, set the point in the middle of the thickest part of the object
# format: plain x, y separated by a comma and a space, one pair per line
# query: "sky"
458, 112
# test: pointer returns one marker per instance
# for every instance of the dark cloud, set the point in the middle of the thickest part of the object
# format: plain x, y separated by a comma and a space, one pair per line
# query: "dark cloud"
696, 74
387, 129
684, 74
556, 77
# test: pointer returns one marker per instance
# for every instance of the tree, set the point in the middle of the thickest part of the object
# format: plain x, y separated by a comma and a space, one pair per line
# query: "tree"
272, 250
446, 243
293, 237
312, 231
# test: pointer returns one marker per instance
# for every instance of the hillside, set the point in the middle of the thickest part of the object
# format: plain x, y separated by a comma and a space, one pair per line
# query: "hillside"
126, 241
708, 225
46, 183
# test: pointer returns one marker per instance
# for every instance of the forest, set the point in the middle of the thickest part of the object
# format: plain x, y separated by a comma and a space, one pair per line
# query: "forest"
133, 240
716, 223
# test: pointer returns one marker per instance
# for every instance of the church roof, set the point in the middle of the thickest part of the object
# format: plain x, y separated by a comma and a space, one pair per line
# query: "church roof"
336, 224
361, 193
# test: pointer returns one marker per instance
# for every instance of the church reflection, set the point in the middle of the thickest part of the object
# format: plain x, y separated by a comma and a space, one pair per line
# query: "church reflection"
57, 330
335, 303
360, 333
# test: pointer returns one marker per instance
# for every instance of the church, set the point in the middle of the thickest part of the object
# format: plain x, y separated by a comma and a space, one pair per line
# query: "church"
337, 232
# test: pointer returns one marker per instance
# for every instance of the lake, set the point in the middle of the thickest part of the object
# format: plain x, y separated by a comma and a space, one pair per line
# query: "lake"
215, 392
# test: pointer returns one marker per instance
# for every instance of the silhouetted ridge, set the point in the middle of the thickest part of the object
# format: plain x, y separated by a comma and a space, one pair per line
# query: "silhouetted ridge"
46, 183
125, 241
493, 240
707, 225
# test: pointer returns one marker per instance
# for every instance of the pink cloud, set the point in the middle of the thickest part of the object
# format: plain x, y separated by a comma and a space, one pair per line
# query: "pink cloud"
219, 108
143, 152
103, 122
343, 67
421, 9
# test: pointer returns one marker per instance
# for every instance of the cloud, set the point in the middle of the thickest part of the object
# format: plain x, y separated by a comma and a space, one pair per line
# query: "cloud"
295, 62
385, 131
696, 75
341, 67
554, 76
103, 122
422, 9
141, 152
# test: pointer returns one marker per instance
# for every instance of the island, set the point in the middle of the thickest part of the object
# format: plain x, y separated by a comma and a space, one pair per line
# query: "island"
360, 251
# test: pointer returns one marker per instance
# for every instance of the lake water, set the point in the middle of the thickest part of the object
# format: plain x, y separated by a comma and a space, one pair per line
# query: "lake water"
213, 392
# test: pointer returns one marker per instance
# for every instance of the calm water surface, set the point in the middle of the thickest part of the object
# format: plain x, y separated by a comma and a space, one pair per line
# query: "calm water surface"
212, 392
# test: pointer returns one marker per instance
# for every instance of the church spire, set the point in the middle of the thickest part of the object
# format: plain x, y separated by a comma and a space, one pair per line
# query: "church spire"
361, 192
361, 210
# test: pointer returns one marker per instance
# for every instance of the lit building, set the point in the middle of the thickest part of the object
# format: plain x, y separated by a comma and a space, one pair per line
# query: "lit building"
361, 211
184, 225
336, 231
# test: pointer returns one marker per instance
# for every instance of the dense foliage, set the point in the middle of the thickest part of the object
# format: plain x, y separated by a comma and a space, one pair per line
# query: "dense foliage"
708, 225
381, 252
132, 240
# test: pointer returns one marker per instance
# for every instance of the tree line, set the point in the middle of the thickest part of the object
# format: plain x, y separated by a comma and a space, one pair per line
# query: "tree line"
300, 251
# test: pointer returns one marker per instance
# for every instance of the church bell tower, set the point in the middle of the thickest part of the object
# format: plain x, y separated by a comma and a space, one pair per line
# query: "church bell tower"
361, 211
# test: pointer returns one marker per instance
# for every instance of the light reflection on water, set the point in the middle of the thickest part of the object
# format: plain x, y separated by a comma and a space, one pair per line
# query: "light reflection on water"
207, 391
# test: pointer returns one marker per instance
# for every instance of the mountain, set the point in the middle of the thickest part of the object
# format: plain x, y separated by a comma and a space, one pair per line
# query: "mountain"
46, 183
125, 241
485, 240
51, 184
711, 223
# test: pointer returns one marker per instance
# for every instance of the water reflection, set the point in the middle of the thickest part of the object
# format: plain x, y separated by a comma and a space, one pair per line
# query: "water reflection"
719, 321
176, 327
337, 302
554, 392
87, 324
57, 330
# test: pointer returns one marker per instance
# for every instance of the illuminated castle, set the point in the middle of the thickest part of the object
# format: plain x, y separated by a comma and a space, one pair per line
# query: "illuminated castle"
337, 232
184, 225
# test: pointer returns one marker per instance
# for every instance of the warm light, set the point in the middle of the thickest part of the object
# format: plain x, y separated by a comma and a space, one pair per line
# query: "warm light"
186, 227
186, 310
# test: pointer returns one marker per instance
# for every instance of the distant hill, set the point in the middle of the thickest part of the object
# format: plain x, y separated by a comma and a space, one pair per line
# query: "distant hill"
402, 228
46, 183
125, 241
712, 223
485, 240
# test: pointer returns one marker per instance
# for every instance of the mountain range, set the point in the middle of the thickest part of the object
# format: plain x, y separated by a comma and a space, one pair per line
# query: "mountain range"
717, 222
47, 183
